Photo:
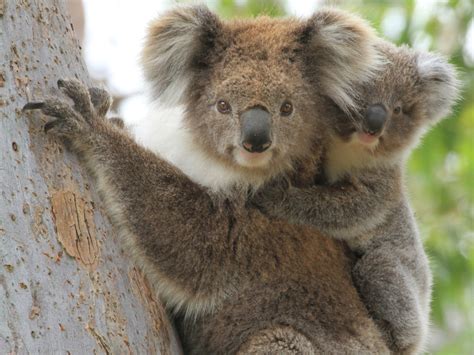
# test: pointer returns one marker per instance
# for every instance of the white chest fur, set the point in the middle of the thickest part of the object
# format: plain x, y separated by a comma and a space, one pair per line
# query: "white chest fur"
162, 132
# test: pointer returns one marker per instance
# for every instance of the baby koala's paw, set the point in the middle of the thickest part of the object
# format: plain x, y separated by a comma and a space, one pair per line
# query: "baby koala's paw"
271, 196
89, 105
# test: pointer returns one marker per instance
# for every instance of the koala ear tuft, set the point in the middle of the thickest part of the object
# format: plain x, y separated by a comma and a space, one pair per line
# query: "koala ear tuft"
177, 42
341, 53
440, 84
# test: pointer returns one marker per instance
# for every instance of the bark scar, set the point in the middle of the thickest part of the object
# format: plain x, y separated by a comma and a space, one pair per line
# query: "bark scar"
100, 339
142, 289
76, 228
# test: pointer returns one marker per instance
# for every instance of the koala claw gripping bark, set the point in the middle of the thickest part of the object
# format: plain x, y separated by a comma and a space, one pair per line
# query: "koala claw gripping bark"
89, 105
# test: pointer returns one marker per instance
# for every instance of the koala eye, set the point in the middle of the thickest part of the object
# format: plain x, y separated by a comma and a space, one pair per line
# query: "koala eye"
286, 109
397, 110
223, 106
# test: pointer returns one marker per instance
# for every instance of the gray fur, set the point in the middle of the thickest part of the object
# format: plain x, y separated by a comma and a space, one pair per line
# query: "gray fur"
235, 280
364, 201
175, 45
340, 64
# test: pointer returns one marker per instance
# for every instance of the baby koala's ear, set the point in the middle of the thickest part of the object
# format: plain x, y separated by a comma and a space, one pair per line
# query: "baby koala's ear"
176, 44
340, 55
440, 84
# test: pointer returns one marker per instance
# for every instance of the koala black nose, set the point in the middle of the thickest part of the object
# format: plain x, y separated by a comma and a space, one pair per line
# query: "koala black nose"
255, 131
375, 118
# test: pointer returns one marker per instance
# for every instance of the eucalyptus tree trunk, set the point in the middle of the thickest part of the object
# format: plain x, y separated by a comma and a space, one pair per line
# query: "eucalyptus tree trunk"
65, 284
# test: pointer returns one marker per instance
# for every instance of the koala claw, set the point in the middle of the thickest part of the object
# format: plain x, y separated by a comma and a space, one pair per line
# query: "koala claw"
67, 119
50, 125
79, 94
86, 100
33, 105
60, 83
89, 104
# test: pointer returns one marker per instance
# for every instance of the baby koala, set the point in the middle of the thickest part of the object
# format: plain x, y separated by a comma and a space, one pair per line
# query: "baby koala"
362, 198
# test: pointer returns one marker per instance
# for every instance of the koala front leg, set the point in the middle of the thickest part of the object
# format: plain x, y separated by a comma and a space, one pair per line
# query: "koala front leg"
389, 290
342, 210
192, 244
173, 226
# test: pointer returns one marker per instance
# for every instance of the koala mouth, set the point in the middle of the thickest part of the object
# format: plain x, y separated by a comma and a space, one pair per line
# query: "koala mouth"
252, 160
368, 140
374, 123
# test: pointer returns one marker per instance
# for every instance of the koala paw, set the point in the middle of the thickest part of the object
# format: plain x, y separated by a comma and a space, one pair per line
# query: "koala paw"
89, 105
269, 197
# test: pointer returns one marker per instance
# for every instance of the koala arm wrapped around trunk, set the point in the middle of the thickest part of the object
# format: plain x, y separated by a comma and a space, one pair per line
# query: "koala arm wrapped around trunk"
161, 214
193, 245
342, 210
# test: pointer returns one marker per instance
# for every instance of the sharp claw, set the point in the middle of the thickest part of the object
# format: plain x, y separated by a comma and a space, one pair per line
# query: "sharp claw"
61, 83
50, 125
33, 105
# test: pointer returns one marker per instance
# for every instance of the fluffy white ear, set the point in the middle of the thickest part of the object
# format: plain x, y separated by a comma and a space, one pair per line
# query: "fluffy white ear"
177, 43
440, 84
342, 53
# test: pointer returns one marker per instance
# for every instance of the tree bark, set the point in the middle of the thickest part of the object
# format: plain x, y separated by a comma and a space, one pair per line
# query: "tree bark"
65, 284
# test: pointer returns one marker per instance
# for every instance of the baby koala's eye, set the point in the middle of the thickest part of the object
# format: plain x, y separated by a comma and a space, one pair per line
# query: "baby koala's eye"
397, 110
223, 106
286, 109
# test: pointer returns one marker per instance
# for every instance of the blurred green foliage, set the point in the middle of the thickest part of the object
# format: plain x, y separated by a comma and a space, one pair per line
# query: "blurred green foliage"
441, 171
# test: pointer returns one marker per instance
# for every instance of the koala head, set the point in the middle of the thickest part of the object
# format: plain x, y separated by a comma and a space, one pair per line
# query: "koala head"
414, 92
252, 89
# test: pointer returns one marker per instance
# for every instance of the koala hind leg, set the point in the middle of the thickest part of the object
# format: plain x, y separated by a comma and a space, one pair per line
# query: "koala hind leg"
391, 296
279, 340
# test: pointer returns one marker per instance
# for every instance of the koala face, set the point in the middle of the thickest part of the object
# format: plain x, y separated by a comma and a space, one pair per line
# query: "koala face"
252, 89
413, 92
254, 108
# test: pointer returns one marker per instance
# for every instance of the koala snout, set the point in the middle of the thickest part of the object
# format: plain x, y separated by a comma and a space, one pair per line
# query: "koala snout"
256, 130
375, 118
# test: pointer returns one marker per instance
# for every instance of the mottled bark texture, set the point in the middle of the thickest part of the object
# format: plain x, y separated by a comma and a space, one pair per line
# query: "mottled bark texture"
65, 284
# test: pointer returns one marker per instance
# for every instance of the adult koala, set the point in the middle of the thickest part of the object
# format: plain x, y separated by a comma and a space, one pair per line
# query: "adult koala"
237, 280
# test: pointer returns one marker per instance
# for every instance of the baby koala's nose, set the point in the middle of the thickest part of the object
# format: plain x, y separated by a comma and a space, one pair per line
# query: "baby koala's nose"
375, 118
255, 130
